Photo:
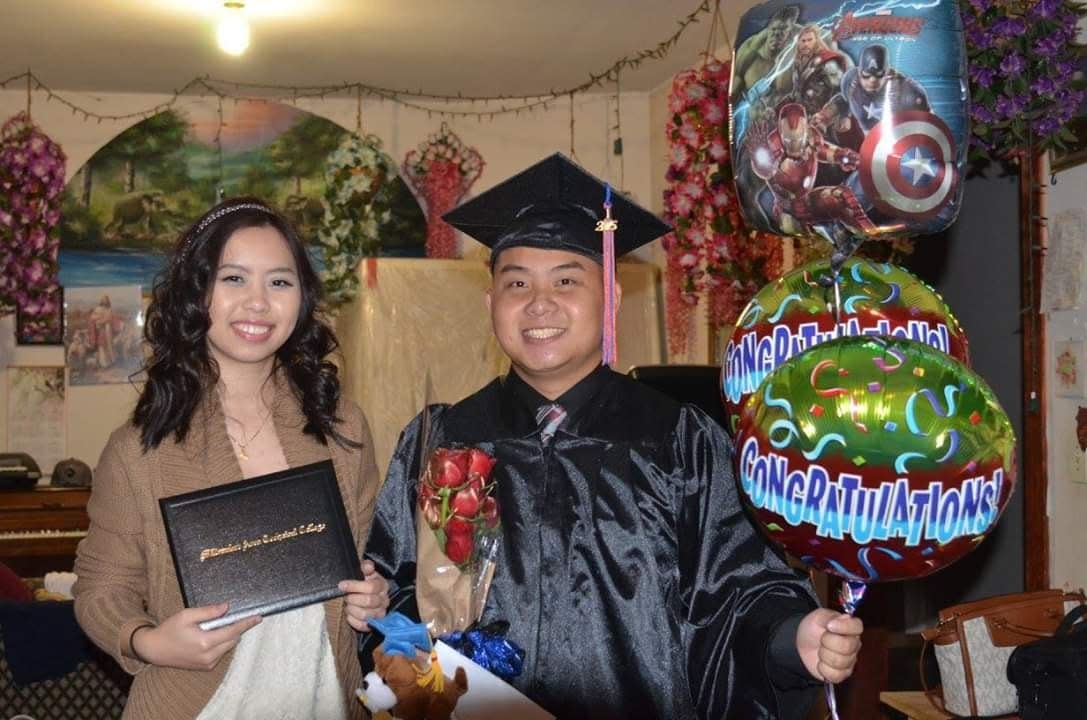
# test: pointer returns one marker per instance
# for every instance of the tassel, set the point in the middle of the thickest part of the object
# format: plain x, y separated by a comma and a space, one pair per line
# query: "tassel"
608, 227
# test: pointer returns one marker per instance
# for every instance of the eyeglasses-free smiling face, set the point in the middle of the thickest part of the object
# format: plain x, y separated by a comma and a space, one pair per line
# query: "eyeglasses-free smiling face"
255, 298
547, 311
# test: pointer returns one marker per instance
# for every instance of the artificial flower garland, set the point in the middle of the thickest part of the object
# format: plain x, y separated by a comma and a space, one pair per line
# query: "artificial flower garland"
355, 209
441, 171
711, 253
31, 183
1023, 56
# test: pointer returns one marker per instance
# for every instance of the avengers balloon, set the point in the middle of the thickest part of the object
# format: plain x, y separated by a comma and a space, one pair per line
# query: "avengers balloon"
797, 312
849, 117
875, 459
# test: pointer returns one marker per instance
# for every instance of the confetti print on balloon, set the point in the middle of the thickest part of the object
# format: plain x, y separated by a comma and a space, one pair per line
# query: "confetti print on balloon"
896, 292
850, 303
824, 392
901, 460
911, 410
785, 303
883, 365
862, 558
791, 432
952, 446
856, 272
754, 312
825, 440
782, 403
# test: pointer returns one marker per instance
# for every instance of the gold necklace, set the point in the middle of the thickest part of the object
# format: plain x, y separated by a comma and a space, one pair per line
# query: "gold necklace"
243, 443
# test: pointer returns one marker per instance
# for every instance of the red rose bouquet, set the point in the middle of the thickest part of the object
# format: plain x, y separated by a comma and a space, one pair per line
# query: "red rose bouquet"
457, 533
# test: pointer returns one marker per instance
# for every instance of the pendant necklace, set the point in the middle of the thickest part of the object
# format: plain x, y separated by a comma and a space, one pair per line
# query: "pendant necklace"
243, 443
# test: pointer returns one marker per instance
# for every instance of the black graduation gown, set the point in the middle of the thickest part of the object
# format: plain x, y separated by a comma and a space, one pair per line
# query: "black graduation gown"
628, 570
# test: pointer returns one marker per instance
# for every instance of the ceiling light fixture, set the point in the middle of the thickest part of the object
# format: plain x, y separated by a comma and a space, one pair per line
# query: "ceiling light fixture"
233, 30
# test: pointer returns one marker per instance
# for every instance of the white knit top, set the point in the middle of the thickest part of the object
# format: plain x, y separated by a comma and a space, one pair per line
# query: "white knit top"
282, 669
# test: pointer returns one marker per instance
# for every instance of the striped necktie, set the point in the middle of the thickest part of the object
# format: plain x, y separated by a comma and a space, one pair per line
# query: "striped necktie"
548, 419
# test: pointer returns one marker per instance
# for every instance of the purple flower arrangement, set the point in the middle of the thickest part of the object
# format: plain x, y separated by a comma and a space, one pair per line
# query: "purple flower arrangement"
1023, 83
31, 183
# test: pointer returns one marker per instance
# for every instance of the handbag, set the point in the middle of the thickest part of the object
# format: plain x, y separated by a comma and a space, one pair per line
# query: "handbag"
1051, 674
973, 642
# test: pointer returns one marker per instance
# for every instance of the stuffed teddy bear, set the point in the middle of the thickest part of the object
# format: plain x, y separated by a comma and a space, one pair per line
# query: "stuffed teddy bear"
411, 688
407, 682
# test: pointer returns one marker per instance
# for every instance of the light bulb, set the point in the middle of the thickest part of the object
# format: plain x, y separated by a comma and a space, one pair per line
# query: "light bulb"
233, 31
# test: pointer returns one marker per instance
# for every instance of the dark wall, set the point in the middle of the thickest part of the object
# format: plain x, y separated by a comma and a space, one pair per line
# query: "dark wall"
975, 266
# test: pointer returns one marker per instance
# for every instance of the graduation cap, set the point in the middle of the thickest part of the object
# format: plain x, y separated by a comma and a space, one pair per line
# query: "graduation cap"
557, 205
402, 635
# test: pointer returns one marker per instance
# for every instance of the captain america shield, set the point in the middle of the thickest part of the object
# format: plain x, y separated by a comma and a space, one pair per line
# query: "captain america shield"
907, 165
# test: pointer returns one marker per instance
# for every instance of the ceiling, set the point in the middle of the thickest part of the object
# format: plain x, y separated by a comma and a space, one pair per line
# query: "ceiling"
474, 47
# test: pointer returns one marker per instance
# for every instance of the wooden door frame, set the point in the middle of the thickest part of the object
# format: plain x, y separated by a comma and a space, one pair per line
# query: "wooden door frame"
1034, 478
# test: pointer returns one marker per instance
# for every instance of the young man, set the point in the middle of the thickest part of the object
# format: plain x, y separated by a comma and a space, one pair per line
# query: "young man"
627, 569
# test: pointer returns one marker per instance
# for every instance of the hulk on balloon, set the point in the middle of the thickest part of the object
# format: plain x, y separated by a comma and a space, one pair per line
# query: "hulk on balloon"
875, 459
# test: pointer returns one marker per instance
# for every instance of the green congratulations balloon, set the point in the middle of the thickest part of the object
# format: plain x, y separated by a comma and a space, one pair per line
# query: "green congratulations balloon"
797, 312
875, 459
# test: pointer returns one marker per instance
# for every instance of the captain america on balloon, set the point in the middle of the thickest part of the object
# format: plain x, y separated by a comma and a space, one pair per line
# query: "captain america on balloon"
872, 88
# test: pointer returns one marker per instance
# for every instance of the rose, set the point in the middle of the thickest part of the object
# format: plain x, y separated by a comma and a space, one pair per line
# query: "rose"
466, 502
432, 511
448, 468
459, 546
454, 499
490, 513
480, 464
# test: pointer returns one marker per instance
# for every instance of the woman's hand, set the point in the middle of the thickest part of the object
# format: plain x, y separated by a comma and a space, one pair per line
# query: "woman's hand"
180, 643
365, 599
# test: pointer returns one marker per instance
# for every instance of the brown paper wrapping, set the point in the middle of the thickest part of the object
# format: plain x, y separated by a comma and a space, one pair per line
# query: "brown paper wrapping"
448, 598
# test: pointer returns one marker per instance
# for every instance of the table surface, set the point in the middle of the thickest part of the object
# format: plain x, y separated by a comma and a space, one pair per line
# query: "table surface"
916, 705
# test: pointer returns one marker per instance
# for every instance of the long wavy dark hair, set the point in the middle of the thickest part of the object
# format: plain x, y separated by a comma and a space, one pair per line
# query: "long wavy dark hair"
181, 370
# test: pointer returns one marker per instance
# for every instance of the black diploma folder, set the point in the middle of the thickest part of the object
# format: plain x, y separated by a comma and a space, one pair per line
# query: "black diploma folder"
262, 545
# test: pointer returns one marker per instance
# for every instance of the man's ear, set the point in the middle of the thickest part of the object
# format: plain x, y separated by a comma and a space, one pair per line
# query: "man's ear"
488, 299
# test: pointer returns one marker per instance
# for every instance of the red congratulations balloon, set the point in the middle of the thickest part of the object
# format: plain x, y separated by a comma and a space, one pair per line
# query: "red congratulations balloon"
875, 459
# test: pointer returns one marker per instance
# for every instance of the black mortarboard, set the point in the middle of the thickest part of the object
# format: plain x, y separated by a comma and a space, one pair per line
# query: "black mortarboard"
554, 205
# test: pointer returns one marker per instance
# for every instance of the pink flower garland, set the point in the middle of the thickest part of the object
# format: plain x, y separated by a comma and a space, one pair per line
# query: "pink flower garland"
711, 252
442, 170
31, 181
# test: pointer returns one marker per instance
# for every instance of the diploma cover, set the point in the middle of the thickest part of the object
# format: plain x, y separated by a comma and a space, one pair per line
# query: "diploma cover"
262, 545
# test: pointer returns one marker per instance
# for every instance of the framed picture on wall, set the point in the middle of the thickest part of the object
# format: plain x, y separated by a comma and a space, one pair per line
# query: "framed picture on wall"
1069, 370
43, 329
103, 334
1075, 152
37, 402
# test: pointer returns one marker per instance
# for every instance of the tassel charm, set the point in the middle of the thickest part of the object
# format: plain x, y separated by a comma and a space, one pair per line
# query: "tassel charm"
608, 226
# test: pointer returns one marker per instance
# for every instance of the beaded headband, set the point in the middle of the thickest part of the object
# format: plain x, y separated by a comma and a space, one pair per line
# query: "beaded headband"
223, 212
217, 215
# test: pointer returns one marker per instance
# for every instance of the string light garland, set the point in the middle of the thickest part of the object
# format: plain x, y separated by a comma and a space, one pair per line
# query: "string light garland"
413, 99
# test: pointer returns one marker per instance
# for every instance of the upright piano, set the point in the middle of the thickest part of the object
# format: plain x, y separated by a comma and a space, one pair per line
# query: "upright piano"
40, 528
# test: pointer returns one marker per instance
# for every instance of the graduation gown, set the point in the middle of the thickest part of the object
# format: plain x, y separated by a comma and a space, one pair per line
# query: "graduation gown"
628, 571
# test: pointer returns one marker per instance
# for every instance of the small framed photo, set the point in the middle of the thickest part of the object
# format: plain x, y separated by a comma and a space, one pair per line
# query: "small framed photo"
1069, 369
45, 329
1075, 152
103, 334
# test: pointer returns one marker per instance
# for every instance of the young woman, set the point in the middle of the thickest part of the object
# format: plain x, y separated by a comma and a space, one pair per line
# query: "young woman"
238, 385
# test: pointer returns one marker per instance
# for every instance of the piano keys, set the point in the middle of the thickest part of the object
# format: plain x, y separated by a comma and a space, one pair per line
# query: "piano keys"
40, 528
